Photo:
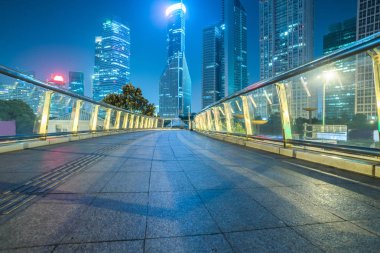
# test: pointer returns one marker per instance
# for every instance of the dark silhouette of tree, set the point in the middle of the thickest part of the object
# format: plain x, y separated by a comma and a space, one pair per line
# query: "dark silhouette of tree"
19, 111
131, 99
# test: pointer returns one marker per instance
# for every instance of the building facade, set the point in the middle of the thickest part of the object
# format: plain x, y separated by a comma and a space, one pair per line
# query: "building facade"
211, 65
234, 57
175, 82
112, 59
76, 82
340, 93
286, 42
368, 23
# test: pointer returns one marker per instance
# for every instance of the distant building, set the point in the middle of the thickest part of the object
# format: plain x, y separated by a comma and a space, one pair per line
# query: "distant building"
175, 82
340, 99
286, 42
234, 58
368, 23
224, 68
112, 59
211, 66
76, 82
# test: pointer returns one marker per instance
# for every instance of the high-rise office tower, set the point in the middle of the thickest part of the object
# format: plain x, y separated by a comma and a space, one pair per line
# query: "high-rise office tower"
112, 59
286, 42
234, 58
211, 66
368, 23
175, 83
76, 82
340, 99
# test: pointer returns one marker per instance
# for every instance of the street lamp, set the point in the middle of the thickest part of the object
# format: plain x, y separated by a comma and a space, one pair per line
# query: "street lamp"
327, 76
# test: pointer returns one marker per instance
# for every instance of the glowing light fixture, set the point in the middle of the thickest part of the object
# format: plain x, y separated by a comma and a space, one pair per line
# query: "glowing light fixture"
175, 7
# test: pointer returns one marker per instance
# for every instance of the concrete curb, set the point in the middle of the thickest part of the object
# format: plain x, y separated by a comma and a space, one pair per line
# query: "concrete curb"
361, 166
17, 146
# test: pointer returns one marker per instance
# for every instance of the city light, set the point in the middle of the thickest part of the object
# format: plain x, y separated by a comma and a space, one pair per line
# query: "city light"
174, 7
58, 78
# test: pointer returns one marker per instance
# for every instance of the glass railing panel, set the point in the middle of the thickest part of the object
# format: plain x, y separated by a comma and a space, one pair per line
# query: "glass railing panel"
222, 118
86, 111
60, 116
237, 120
21, 106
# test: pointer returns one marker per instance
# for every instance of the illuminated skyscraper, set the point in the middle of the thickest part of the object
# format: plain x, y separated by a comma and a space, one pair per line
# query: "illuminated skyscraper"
211, 66
112, 59
286, 42
340, 99
76, 82
368, 23
175, 83
234, 58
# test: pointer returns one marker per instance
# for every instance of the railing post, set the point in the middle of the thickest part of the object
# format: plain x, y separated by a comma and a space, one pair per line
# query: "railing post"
375, 55
163, 123
247, 116
131, 121
45, 113
125, 121
94, 118
75, 114
137, 121
107, 120
155, 123
146, 122
209, 126
284, 108
204, 121
227, 112
216, 119
117, 120
142, 120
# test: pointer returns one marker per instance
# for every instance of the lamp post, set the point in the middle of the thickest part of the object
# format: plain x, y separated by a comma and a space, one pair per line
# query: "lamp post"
327, 76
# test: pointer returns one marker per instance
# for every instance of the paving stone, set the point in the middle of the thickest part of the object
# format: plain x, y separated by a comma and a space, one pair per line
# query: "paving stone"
46, 249
132, 165
123, 246
340, 237
128, 182
85, 182
112, 216
169, 181
166, 166
370, 225
178, 214
188, 244
270, 240
234, 210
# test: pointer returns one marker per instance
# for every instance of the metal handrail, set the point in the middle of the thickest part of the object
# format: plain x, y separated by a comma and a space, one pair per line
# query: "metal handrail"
356, 48
24, 77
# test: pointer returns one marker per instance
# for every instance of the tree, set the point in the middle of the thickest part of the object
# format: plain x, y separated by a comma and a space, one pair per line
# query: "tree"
19, 111
131, 99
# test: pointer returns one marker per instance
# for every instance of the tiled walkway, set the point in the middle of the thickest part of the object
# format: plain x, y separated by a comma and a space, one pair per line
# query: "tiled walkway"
177, 191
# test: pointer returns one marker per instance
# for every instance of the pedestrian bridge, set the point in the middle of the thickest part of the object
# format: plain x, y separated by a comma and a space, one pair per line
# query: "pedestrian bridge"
292, 165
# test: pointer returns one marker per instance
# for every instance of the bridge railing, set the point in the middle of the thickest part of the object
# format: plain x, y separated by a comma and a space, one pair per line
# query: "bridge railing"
332, 102
32, 108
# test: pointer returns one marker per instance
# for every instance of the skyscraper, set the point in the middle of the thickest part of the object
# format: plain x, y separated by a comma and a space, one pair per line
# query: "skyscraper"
175, 83
340, 99
234, 58
211, 66
76, 82
112, 59
368, 23
286, 42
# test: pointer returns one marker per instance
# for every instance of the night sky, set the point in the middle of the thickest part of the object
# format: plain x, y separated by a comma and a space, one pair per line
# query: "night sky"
47, 36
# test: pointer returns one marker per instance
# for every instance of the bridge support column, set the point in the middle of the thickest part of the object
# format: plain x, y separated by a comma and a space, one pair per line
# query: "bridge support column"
75, 115
43, 127
117, 120
247, 116
285, 116
375, 55
125, 121
107, 120
227, 112
217, 119
94, 118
